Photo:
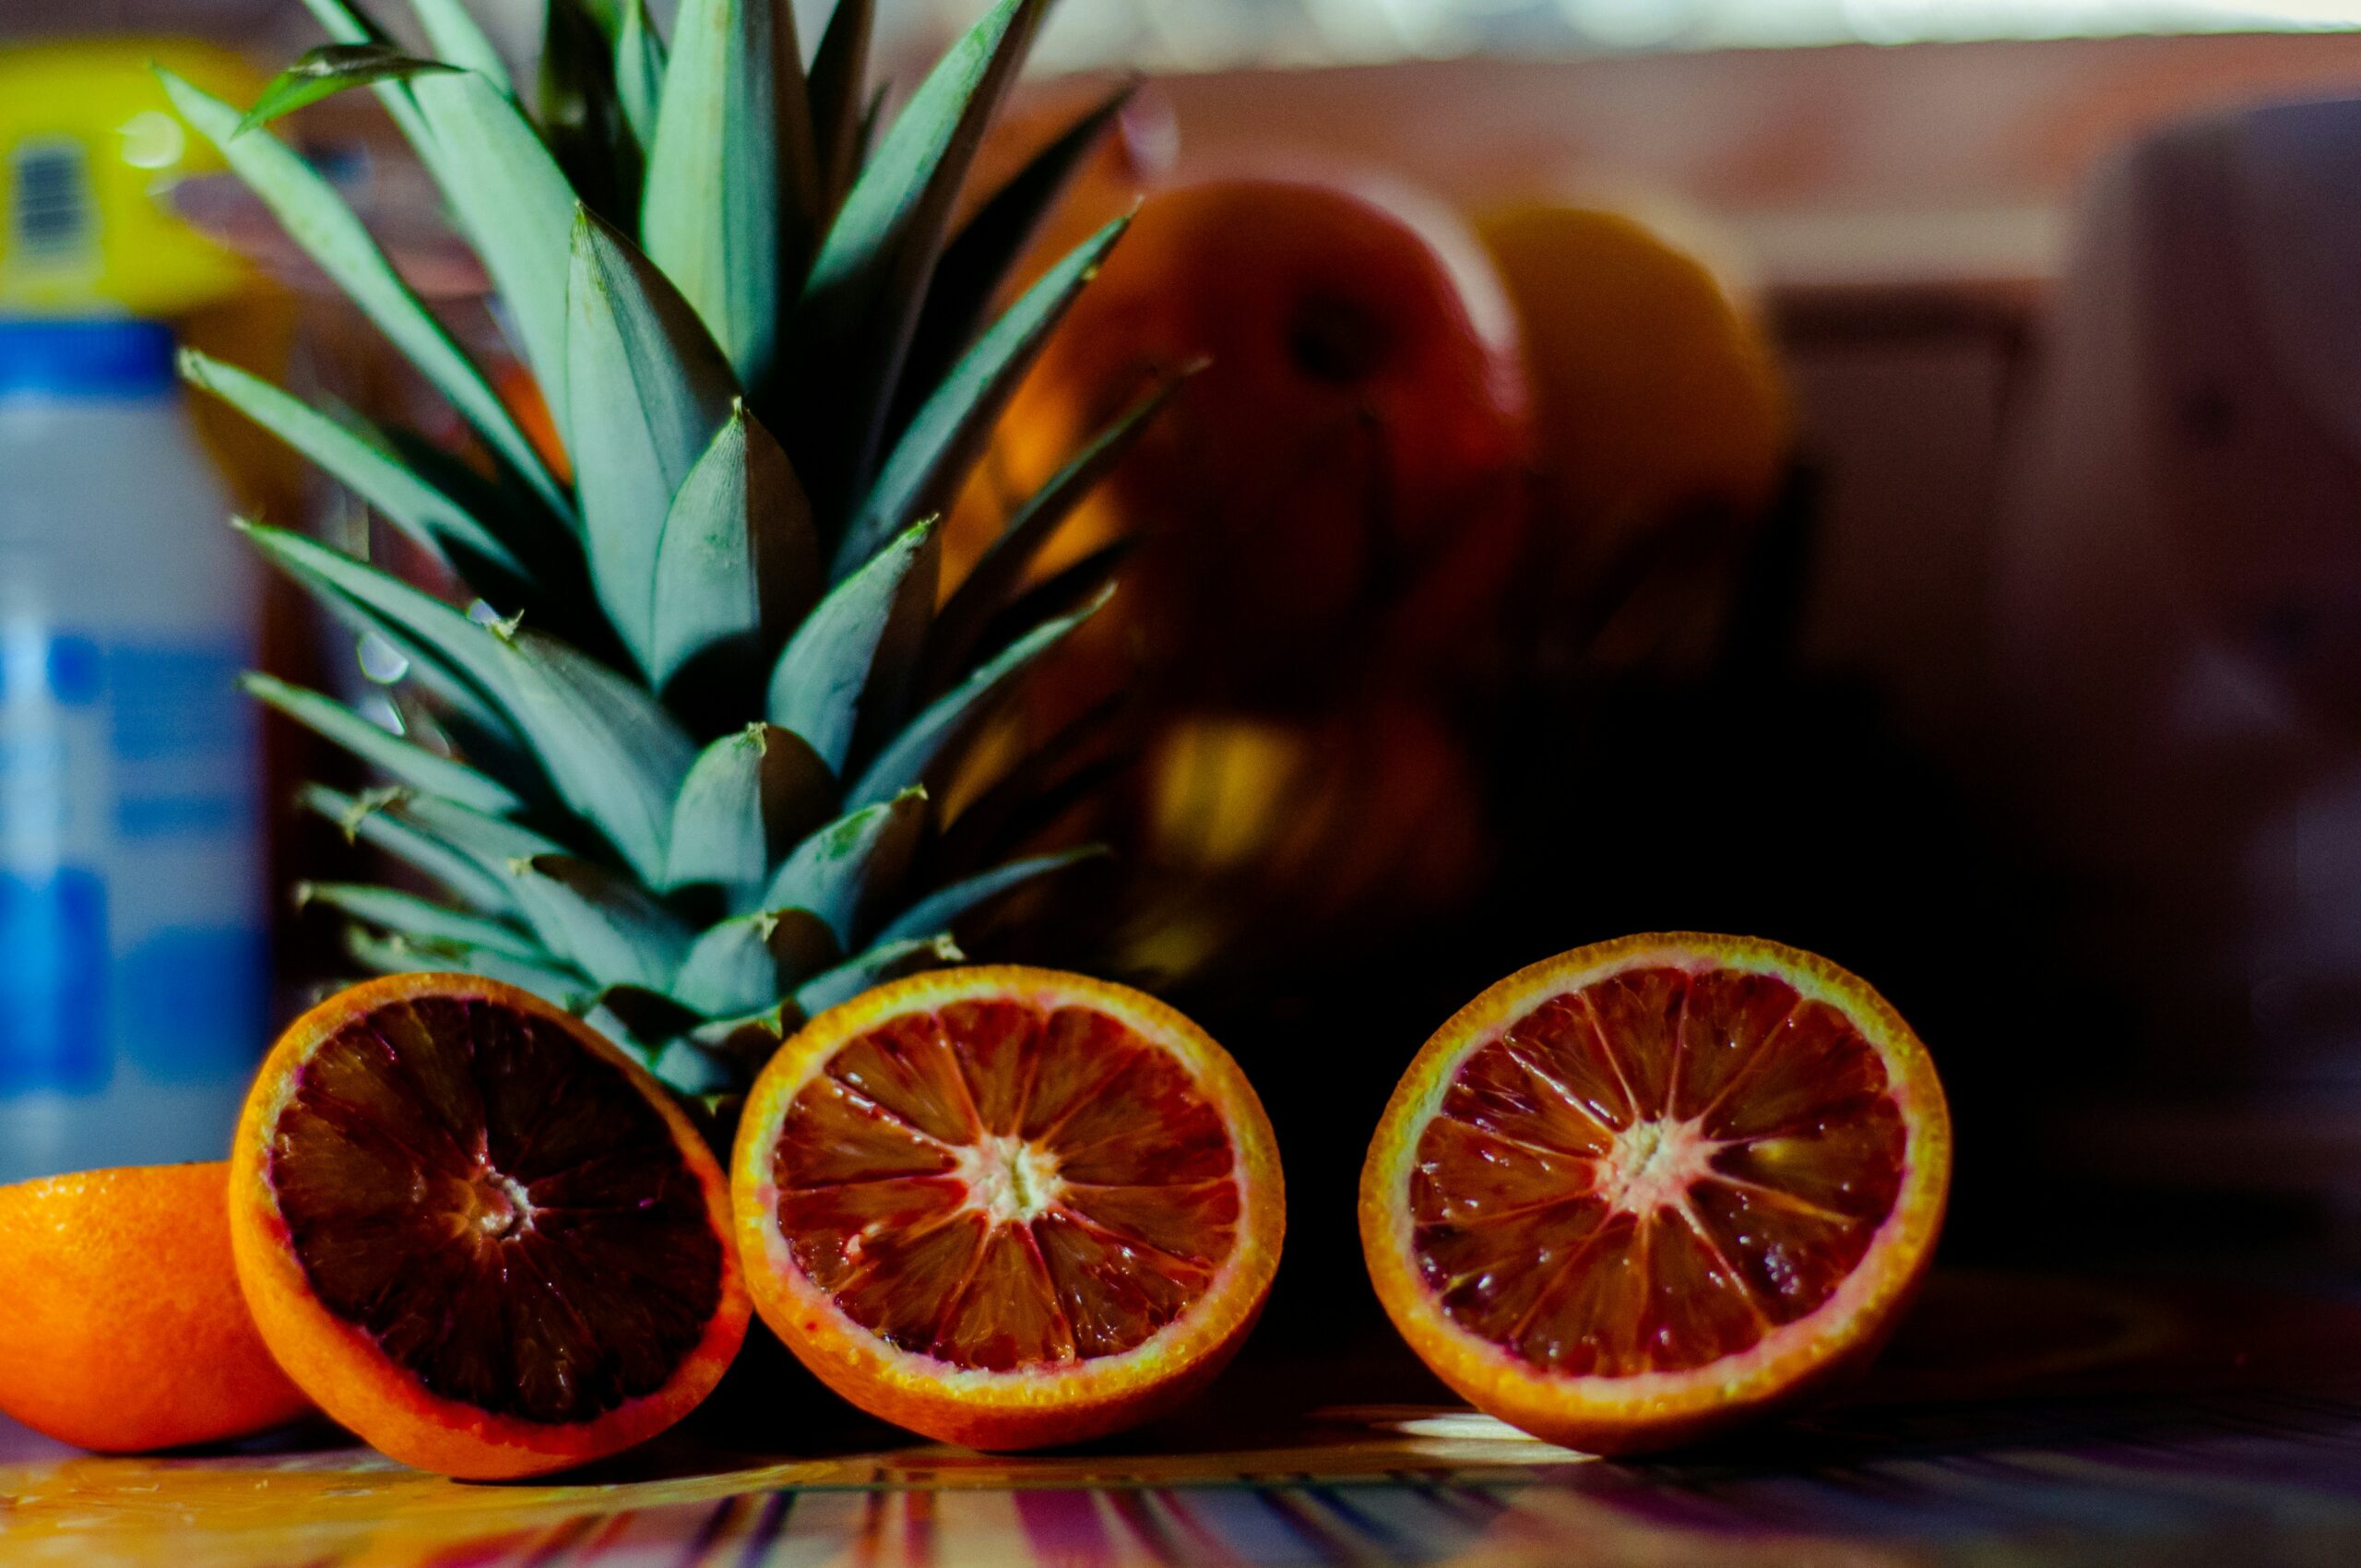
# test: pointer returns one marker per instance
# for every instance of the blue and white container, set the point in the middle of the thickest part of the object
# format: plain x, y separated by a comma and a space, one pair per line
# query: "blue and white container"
134, 975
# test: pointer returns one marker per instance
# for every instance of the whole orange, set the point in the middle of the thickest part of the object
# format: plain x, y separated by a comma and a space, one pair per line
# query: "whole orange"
1655, 389
1337, 487
125, 1329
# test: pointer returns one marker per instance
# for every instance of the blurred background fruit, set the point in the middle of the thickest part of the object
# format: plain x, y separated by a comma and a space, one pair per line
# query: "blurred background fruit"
1662, 424
1322, 525
1333, 493
1251, 830
1654, 386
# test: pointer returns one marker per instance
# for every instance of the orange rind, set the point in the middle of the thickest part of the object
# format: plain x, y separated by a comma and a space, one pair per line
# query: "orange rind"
1008, 1208
1646, 1190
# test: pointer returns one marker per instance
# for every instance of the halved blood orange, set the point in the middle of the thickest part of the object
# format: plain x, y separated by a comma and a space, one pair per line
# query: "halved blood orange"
1638, 1193
1007, 1207
478, 1235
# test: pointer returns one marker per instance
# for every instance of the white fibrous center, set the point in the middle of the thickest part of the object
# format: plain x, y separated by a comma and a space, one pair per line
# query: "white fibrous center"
1653, 1163
497, 1205
1009, 1178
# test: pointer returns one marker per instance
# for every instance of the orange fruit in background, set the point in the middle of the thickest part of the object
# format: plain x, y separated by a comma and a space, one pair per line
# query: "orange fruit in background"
1654, 387
1133, 154
125, 1329
1643, 1191
475, 1233
1264, 836
1342, 481
1008, 1208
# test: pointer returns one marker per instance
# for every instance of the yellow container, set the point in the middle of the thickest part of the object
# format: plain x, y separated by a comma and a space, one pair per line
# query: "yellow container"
87, 145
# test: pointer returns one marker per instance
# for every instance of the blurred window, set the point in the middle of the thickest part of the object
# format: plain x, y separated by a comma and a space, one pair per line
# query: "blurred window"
1214, 34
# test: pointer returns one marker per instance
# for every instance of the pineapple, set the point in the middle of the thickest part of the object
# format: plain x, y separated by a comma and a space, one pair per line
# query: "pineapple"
671, 763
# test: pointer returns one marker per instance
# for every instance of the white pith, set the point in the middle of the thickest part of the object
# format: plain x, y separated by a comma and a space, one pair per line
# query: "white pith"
1653, 1164
496, 1205
1010, 1180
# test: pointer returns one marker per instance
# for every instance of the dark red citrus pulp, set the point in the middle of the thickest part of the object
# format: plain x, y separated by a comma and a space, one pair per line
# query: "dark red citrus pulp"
1654, 1172
501, 1210
1000, 1186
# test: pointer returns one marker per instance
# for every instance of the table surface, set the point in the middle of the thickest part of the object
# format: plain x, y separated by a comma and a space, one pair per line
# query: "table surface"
2018, 1420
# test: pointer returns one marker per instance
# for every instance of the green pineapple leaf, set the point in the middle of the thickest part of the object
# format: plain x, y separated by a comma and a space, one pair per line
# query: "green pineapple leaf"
381, 818
904, 764
611, 751
420, 919
940, 911
517, 208
731, 182
757, 396
639, 72
326, 71
394, 954
1063, 592
583, 117
749, 798
320, 222
648, 391
456, 38
953, 424
604, 924
993, 579
750, 1037
1046, 779
839, 72
494, 842
852, 865
645, 1019
746, 963
556, 590
360, 458
861, 300
886, 961
846, 649
873, 119
979, 259
737, 563
435, 641
613, 755
410, 764
345, 24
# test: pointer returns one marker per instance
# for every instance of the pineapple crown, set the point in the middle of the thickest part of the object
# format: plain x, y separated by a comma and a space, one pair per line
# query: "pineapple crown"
672, 767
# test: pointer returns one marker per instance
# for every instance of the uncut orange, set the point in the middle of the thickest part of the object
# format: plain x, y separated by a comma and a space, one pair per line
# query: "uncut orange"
1340, 483
1008, 1208
475, 1233
1639, 1192
125, 1329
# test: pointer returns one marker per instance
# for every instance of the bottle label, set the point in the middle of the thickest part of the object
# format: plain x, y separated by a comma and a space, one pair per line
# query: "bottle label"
54, 983
130, 915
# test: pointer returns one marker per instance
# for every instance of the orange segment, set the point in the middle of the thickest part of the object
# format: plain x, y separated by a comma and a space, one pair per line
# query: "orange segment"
476, 1234
1007, 1206
1641, 1190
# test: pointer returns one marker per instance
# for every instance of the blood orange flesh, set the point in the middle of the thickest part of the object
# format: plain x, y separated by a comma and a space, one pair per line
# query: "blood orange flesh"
1641, 1190
478, 1236
1006, 1207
